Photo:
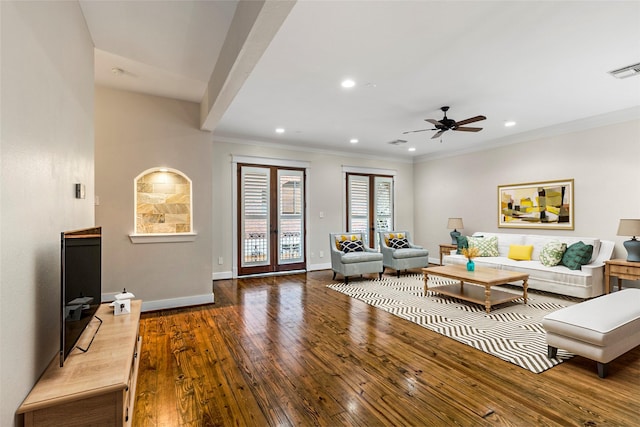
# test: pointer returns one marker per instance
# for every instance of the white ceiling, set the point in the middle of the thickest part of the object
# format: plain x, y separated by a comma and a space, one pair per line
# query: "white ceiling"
543, 64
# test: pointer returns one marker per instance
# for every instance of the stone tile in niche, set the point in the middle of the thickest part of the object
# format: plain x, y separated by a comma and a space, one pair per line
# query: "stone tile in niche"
174, 208
151, 198
143, 187
145, 208
182, 228
176, 218
178, 198
164, 188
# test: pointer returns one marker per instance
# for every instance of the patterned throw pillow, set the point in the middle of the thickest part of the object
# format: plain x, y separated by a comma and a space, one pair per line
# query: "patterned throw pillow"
343, 237
351, 246
390, 236
487, 246
552, 253
398, 243
577, 255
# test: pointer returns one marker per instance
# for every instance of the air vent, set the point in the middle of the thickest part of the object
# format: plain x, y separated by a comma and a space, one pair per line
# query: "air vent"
623, 73
397, 142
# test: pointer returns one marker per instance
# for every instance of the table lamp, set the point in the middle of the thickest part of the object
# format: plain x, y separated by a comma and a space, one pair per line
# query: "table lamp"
454, 224
631, 227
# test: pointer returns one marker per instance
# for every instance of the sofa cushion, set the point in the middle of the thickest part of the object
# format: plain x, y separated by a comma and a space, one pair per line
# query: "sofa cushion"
552, 253
462, 243
410, 253
520, 252
487, 246
398, 243
347, 246
577, 255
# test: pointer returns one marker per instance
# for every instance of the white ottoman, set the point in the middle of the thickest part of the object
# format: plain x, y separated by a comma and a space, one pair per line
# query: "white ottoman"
600, 329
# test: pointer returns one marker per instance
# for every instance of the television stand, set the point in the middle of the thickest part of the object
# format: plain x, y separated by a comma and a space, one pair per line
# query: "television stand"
93, 388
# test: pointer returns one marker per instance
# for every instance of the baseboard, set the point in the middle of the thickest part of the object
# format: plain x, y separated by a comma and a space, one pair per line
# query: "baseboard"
315, 267
177, 302
222, 275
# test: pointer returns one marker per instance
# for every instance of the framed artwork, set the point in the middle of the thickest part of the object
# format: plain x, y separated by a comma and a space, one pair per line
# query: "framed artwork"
547, 204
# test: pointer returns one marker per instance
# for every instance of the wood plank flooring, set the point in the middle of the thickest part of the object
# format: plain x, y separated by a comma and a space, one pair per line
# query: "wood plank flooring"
283, 351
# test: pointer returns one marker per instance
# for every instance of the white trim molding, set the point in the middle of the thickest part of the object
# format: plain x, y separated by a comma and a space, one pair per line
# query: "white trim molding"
162, 238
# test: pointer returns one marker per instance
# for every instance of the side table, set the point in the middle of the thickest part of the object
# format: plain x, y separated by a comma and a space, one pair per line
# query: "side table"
445, 249
622, 269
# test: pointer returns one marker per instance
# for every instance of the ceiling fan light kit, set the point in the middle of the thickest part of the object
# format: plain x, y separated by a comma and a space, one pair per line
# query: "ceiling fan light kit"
445, 124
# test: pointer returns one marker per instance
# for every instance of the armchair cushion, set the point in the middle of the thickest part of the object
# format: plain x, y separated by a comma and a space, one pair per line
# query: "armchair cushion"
410, 253
357, 257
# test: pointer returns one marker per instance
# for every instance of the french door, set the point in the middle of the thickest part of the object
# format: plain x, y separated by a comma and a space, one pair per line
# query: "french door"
369, 205
271, 212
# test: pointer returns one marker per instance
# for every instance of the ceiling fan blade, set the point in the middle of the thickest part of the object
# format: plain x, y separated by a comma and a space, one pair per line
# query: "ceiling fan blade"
438, 134
433, 122
412, 131
470, 120
468, 129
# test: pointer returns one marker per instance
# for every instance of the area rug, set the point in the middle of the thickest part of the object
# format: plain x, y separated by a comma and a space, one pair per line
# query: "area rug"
512, 331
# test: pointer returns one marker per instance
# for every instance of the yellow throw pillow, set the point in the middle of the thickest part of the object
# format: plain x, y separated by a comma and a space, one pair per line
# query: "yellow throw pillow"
520, 252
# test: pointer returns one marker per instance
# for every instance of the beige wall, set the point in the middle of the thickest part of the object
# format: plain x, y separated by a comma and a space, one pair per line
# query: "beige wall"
603, 162
325, 192
46, 146
136, 132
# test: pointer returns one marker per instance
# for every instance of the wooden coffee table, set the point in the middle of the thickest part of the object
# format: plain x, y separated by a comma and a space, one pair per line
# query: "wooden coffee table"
479, 282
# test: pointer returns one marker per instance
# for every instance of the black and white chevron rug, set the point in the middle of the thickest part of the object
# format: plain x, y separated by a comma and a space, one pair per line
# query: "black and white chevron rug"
512, 331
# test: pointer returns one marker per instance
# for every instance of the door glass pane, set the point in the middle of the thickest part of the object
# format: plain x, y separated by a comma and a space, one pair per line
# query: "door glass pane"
290, 216
255, 216
358, 196
383, 204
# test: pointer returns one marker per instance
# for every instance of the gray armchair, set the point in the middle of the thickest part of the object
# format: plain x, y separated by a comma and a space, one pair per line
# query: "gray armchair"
399, 252
350, 258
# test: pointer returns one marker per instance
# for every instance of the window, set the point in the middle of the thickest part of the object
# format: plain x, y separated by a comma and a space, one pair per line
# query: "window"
369, 205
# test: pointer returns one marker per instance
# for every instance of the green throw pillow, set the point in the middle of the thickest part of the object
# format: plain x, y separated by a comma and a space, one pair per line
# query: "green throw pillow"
552, 253
577, 255
487, 246
462, 243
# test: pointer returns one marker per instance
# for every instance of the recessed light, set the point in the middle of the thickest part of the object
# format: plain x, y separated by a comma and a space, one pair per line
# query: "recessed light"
509, 123
348, 83
354, 140
279, 130
412, 148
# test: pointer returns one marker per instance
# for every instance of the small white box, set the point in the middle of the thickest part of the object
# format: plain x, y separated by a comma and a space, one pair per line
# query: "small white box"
121, 306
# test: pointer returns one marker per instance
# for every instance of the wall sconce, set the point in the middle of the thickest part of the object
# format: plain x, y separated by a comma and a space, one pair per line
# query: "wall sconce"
631, 227
454, 224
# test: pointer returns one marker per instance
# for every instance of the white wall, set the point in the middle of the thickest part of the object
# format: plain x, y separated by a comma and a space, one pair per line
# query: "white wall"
46, 146
603, 162
325, 192
136, 132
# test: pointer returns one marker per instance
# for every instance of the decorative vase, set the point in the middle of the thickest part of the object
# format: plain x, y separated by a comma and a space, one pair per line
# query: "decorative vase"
471, 265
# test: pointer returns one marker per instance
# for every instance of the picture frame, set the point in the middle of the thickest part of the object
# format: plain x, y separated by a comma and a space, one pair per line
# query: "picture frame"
544, 204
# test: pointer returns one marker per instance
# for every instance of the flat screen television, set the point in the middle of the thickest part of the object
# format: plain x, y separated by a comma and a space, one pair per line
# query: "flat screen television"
81, 285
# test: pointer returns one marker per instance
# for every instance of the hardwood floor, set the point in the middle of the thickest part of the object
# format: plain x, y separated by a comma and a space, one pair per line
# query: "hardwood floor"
281, 351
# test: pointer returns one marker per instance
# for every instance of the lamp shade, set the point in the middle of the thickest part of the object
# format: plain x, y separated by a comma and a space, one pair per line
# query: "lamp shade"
629, 227
455, 223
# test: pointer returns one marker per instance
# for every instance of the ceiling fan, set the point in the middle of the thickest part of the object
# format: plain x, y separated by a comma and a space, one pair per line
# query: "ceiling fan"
446, 124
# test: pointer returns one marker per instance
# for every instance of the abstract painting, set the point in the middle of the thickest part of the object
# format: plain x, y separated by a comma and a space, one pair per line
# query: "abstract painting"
547, 204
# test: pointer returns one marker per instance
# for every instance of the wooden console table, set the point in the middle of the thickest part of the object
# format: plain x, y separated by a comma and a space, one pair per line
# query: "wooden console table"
93, 388
622, 269
445, 249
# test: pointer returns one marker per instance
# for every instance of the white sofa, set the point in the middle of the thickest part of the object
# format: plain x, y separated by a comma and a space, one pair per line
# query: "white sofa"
584, 283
